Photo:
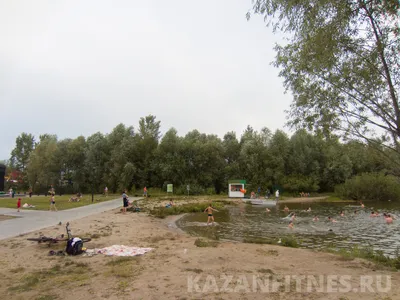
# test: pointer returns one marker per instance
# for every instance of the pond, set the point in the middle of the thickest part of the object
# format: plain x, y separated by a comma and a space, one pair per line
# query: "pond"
251, 222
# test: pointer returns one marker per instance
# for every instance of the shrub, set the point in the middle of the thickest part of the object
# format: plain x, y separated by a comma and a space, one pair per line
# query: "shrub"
370, 186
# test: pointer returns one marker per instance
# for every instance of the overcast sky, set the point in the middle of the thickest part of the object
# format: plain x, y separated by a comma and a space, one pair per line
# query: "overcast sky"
78, 67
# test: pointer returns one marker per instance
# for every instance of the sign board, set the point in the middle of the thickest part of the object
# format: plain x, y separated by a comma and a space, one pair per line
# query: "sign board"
170, 188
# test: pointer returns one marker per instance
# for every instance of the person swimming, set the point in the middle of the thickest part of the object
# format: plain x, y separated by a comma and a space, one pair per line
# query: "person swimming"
291, 225
389, 219
362, 204
267, 210
331, 220
286, 208
315, 219
341, 213
293, 217
308, 209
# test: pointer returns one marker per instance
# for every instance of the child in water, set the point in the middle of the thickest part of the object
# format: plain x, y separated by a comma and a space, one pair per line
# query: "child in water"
389, 219
316, 219
341, 213
209, 211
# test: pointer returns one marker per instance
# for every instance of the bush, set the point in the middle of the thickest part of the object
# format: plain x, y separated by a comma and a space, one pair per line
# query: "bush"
370, 186
300, 183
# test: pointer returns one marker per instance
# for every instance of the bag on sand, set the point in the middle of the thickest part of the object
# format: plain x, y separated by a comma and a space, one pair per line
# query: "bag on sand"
74, 246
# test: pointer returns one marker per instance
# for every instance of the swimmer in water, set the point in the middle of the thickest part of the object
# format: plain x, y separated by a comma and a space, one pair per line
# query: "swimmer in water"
331, 220
286, 208
267, 209
291, 225
372, 214
355, 212
389, 219
362, 204
315, 219
341, 213
308, 210
293, 217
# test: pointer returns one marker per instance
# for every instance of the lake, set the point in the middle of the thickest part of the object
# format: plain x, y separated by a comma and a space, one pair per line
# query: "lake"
247, 222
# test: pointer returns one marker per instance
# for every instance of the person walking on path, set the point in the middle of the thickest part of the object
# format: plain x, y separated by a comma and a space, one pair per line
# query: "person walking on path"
19, 204
145, 192
52, 203
125, 201
106, 191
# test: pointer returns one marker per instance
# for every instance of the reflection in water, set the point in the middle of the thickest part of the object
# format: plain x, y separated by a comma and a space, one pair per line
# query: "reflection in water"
247, 222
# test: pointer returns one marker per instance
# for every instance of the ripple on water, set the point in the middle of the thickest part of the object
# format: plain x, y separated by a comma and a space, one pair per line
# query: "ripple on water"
246, 221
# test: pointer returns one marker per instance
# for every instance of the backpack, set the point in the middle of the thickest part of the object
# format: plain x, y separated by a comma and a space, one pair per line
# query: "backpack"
74, 246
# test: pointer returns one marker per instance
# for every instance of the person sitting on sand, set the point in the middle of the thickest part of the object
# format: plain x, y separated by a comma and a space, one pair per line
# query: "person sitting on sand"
316, 219
267, 210
286, 208
170, 204
209, 211
291, 225
331, 220
341, 213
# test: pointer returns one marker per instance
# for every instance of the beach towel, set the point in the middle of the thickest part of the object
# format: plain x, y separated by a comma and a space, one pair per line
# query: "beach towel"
119, 250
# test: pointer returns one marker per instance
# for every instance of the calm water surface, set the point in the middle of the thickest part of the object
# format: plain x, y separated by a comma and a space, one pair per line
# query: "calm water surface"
249, 222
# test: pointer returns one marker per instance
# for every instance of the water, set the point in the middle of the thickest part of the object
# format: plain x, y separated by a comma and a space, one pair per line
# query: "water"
247, 222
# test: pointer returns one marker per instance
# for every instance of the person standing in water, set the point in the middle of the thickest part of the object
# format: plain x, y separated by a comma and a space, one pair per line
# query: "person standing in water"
209, 211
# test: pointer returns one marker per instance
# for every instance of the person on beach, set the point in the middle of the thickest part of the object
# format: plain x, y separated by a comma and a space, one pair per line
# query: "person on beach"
52, 203
106, 191
170, 204
209, 211
125, 201
145, 192
19, 204
316, 219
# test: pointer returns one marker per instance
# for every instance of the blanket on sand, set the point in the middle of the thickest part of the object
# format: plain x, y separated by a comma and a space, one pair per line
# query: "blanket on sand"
119, 250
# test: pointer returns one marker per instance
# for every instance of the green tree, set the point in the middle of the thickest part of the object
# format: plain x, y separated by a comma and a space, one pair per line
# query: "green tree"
24, 145
341, 63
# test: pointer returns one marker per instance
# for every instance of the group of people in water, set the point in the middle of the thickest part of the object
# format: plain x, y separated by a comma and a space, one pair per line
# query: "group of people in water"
292, 216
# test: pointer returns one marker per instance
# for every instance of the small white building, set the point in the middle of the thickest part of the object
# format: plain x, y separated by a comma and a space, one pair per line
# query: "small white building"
236, 188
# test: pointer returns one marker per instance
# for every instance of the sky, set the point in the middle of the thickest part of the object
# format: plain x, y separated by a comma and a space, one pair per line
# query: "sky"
75, 68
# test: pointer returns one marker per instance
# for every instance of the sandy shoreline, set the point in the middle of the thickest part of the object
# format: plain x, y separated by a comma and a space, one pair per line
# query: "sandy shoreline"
168, 271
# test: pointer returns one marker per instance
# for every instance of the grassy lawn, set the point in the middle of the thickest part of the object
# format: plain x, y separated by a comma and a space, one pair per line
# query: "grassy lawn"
62, 202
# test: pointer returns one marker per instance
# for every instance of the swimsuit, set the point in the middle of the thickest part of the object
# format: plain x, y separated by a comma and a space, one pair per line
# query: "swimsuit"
210, 215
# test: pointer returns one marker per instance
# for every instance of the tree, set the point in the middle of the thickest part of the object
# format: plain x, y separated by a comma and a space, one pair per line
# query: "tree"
342, 65
24, 145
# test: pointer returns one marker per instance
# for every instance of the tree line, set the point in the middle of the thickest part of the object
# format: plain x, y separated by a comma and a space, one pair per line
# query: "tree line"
131, 158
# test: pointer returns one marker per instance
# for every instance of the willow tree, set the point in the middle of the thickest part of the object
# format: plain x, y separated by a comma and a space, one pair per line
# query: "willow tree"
341, 63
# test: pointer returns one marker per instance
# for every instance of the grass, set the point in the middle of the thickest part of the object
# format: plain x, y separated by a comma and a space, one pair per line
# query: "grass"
62, 202
378, 257
162, 212
287, 241
124, 267
204, 243
56, 275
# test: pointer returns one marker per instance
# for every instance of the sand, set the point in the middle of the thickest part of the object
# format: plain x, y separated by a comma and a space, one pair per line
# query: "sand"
175, 269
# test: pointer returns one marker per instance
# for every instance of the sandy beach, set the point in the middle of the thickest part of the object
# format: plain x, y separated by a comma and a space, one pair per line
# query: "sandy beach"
175, 269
